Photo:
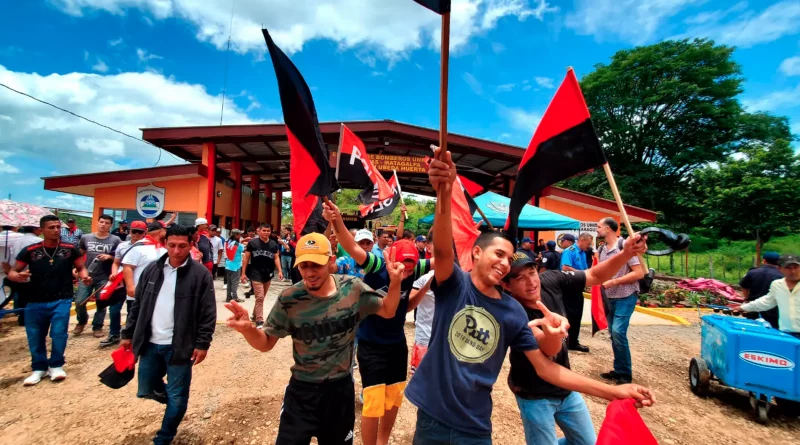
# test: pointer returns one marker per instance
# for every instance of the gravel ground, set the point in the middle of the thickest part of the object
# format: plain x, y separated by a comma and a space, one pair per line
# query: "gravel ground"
236, 396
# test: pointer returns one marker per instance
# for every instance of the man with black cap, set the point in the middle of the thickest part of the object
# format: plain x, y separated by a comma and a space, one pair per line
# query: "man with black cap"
526, 247
122, 231
551, 260
204, 244
755, 284
422, 243
71, 234
573, 259
783, 294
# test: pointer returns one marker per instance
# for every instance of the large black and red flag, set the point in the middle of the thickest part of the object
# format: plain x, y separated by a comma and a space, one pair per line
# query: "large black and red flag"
310, 174
354, 167
437, 6
373, 207
475, 182
563, 145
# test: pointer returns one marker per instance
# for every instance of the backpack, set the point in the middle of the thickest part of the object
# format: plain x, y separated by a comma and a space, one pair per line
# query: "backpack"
646, 282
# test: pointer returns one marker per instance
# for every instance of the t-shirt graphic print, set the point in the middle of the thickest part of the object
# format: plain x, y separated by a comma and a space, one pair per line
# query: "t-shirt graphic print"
473, 334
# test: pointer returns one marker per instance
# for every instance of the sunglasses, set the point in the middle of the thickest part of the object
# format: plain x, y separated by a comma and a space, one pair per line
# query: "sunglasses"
138, 232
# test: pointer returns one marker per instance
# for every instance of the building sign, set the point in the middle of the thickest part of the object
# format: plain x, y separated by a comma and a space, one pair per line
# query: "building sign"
150, 200
402, 164
351, 217
586, 227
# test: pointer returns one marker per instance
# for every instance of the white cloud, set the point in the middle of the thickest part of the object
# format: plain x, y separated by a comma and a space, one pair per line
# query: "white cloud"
473, 83
115, 42
520, 119
504, 88
389, 29
498, 47
7, 168
751, 28
544, 82
791, 66
505, 136
126, 101
632, 21
145, 56
65, 201
100, 66
29, 181
776, 100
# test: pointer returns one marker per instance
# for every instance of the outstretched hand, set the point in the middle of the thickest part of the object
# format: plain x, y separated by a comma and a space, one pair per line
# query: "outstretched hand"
643, 396
330, 212
442, 170
553, 325
240, 320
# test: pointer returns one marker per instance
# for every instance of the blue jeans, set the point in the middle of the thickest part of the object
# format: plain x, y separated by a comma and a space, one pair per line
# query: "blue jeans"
431, 432
619, 318
82, 314
286, 265
153, 366
540, 417
41, 318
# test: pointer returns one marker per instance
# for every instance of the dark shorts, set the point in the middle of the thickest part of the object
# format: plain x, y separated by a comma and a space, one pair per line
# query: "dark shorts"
322, 410
260, 276
383, 371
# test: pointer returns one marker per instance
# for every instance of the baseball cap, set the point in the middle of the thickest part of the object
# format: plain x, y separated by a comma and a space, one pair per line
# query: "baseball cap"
212, 227
568, 237
313, 247
421, 239
138, 225
551, 245
789, 259
364, 234
519, 261
771, 256
124, 221
153, 226
526, 240
237, 232
71, 220
200, 222
405, 250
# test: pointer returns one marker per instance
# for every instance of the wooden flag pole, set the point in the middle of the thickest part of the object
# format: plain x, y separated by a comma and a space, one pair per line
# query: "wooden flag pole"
400, 192
443, 76
621, 207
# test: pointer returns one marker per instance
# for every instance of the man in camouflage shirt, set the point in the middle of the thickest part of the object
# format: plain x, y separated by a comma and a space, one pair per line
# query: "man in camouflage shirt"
321, 314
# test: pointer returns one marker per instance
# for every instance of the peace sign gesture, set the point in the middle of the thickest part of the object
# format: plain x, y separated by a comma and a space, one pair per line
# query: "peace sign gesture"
240, 319
553, 325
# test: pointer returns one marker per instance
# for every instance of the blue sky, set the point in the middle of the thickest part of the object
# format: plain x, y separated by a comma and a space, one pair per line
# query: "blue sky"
146, 63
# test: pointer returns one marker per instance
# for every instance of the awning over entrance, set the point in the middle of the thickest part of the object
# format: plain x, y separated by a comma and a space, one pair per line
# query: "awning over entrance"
495, 207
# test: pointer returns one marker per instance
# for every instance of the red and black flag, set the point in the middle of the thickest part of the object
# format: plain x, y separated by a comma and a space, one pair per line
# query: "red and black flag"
377, 208
475, 182
465, 231
355, 168
599, 310
311, 176
563, 145
437, 6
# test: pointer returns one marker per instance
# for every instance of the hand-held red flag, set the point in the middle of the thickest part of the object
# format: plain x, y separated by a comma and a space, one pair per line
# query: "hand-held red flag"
353, 163
624, 425
310, 173
599, 320
464, 231
563, 145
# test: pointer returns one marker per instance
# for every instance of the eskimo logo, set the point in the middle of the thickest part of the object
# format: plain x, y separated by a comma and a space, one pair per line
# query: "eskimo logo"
474, 334
766, 360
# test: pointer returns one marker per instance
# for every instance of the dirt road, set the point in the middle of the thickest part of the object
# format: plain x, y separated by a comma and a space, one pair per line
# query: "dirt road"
236, 396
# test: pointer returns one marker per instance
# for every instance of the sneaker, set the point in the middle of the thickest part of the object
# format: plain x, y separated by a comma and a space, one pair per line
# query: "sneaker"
78, 329
98, 333
238, 300
260, 325
611, 375
34, 378
579, 347
623, 380
57, 374
110, 340
224, 286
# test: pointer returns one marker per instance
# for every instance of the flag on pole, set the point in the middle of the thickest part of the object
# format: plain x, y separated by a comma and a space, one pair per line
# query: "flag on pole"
353, 165
599, 320
378, 208
311, 176
563, 145
464, 230
437, 6
475, 182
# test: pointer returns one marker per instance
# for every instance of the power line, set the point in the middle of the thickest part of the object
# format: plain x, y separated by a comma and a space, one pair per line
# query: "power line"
93, 122
227, 56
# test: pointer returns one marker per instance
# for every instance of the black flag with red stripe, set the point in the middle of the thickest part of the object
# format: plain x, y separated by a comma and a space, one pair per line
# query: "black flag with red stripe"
563, 145
437, 6
311, 176
475, 182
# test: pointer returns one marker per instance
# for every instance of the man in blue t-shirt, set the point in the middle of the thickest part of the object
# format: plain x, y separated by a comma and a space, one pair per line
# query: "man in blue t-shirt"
382, 352
233, 251
474, 325
573, 259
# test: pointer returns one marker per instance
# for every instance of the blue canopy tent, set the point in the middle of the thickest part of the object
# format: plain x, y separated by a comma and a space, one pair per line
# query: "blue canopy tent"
495, 207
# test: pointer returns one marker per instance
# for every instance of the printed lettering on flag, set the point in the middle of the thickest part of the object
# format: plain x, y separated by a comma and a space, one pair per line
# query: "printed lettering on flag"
354, 165
381, 207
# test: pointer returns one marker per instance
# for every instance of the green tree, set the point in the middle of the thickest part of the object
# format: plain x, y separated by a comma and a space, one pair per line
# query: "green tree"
752, 194
662, 111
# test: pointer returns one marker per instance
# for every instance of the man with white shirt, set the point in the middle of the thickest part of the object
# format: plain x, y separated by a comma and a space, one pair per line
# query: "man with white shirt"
7, 239
216, 248
135, 262
170, 328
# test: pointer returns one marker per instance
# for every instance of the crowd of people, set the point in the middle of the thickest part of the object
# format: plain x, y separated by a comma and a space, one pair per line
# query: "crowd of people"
346, 307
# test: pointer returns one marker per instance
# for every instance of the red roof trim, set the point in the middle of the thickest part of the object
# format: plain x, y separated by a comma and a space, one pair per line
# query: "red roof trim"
608, 204
142, 174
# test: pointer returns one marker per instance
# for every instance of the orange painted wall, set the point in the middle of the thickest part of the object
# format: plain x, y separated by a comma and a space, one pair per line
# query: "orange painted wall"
570, 210
182, 195
223, 205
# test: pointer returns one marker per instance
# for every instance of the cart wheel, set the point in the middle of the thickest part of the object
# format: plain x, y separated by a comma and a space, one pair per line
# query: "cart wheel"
699, 376
762, 412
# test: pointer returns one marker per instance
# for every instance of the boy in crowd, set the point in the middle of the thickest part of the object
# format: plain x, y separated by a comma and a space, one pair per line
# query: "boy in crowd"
170, 327
234, 250
474, 325
263, 258
137, 231
423, 302
99, 248
382, 351
319, 400
46, 267
216, 249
